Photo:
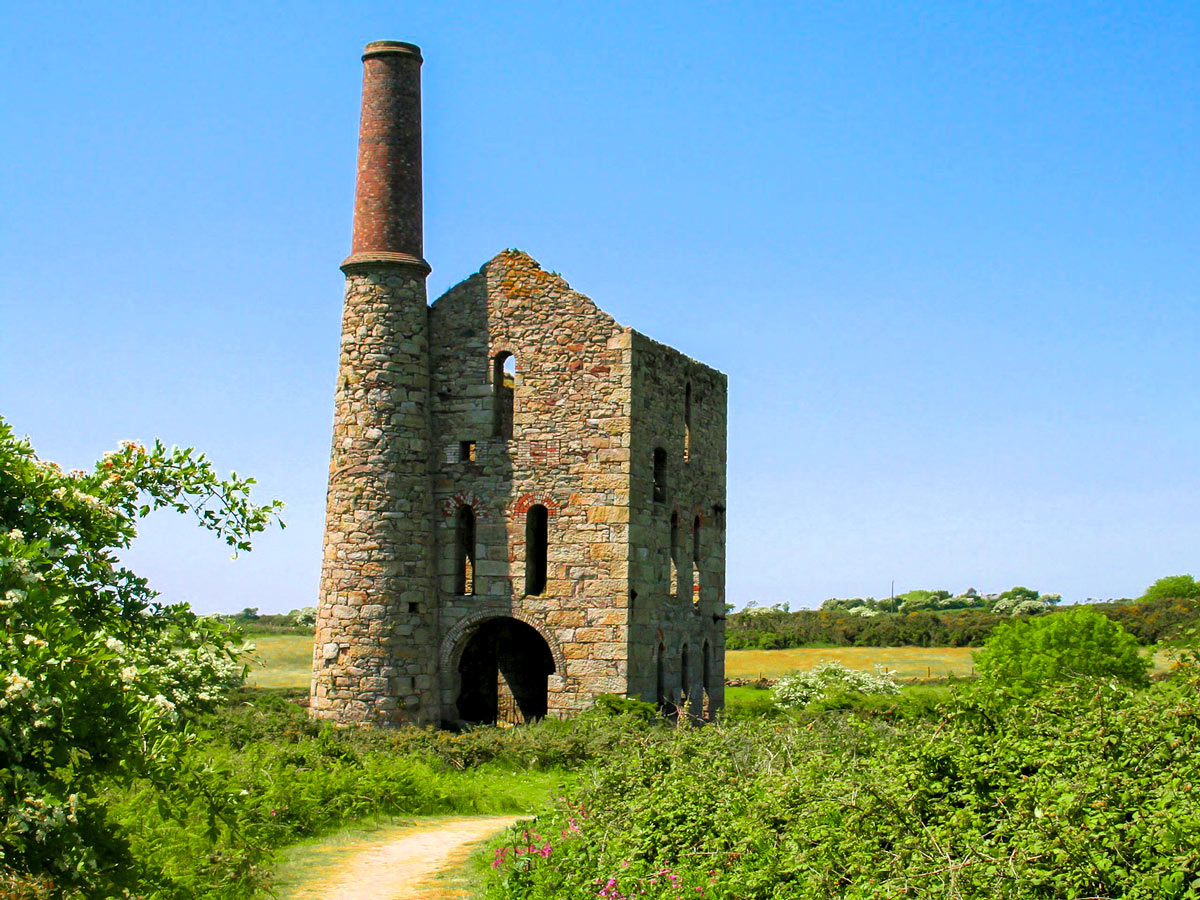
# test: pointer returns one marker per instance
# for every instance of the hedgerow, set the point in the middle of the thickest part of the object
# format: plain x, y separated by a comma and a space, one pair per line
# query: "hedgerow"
1089, 789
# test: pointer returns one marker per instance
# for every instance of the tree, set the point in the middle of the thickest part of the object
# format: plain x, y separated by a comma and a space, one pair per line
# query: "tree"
1072, 643
1173, 587
1023, 601
98, 680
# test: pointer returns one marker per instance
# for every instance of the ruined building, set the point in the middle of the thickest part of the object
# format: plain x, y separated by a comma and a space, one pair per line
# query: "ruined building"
526, 502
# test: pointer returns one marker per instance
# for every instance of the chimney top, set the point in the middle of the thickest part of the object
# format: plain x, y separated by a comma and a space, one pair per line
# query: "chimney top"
379, 48
387, 204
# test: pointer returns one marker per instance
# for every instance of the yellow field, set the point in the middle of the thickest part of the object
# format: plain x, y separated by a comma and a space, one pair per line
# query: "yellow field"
281, 661
905, 662
285, 661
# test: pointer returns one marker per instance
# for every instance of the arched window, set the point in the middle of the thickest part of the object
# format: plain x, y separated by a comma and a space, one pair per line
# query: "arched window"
673, 556
660, 475
504, 381
464, 561
536, 545
687, 423
696, 562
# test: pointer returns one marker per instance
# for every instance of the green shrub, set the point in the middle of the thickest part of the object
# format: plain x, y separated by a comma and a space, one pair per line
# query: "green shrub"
1070, 644
1093, 794
1173, 587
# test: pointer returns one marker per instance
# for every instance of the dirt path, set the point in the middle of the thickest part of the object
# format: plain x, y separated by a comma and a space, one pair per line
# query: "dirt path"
401, 863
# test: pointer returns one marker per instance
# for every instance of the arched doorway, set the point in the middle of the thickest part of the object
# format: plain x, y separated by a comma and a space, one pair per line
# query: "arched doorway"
503, 671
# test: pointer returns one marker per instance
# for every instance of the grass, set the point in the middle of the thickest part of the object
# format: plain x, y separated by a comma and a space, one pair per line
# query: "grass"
281, 661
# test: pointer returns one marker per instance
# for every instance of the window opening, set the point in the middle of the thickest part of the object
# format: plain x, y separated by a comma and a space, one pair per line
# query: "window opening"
687, 423
660, 680
504, 382
464, 565
660, 475
696, 562
685, 685
706, 683
466, 451
536, 545
672, 552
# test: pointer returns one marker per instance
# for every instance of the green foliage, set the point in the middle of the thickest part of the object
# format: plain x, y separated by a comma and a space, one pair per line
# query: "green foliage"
1076, 642
1173, 587
99, 681
1079, 794
768, 629
868, 624
276, 776
828, 679
619, 705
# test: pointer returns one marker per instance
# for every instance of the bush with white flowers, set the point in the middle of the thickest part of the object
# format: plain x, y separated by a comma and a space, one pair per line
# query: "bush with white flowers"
798, 689
97, 678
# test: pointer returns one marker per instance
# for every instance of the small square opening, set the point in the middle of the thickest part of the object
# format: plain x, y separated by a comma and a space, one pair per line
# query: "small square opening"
466, 451
413, 607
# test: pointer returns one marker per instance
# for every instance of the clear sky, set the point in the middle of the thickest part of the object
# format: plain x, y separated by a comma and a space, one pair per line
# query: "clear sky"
948, 255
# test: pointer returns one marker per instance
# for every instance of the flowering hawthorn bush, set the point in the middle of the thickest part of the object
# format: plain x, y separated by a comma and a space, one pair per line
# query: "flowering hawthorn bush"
798, 689
97, 679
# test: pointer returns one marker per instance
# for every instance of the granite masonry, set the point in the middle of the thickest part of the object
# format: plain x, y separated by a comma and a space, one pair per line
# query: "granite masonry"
526, 503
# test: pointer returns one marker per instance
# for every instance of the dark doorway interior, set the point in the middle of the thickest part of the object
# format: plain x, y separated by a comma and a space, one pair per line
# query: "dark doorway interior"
503, 671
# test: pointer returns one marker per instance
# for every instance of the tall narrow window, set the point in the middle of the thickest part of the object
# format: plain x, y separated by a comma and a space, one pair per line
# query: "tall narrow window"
707, 676
696, 562
504, 381
673, 556
660, 679
660, 475
687, 423
464, 562
685, 677
536, 545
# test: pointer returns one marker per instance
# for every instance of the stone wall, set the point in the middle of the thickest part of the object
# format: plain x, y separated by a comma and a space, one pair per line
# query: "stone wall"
376, 618
569, 453
410, 580
667, 386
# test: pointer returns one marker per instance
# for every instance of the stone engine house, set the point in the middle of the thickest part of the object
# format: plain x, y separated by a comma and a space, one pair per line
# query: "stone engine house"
526, 503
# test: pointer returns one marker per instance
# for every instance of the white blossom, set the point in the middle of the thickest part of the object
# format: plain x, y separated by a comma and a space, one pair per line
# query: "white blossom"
18, 684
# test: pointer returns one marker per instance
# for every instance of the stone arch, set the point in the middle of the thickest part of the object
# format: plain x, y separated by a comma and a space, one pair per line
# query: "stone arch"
502, 670
453, 643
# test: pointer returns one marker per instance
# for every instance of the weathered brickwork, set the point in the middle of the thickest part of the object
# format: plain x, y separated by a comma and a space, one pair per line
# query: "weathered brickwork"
513, 473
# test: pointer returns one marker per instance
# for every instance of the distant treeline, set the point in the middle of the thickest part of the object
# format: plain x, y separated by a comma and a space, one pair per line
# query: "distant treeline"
1151, 621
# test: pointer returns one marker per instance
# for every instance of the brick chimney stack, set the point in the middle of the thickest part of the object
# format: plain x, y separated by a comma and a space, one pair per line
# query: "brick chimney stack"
387, 206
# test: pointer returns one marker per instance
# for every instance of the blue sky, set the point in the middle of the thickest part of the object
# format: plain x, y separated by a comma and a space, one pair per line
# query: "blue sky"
946, 253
